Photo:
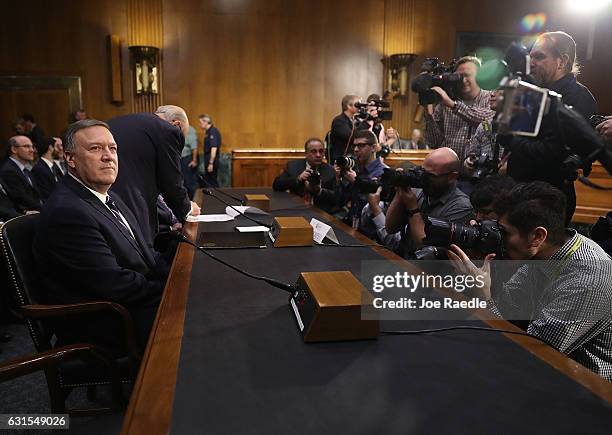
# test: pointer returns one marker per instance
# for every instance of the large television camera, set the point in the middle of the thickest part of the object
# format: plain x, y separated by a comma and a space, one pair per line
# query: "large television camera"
485, 237
436, 73
383, 113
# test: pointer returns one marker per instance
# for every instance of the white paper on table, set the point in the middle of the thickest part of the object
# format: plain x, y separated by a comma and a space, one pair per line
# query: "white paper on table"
234, 210
254, 229
321, 230
210, 218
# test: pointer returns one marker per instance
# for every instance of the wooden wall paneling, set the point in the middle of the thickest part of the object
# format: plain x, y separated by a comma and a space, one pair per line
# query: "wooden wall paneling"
114, 59
145, 27
259, 167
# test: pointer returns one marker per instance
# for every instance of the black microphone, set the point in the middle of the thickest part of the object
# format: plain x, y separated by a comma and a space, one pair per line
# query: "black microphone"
210, 193
273, 282
207, 184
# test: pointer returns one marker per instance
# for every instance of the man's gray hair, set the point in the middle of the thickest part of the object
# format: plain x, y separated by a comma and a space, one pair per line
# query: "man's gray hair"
170, 113
68, 139
12, 142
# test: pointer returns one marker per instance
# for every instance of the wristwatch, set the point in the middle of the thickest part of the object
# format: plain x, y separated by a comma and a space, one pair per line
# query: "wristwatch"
412, 212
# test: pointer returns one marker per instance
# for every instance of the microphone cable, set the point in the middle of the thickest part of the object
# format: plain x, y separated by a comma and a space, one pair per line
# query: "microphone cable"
210, 193
464, 327
273, 282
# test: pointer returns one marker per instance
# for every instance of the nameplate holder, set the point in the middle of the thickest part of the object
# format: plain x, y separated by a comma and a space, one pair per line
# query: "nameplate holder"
257, 200
291, 231
327, 306
321, 231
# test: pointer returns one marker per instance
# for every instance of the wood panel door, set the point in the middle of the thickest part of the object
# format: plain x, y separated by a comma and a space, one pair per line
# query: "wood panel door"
50, 100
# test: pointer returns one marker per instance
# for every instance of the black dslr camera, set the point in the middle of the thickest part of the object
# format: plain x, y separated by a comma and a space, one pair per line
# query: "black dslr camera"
389, 180
345, 163
436, 73
485, 237
315, 177
382, 107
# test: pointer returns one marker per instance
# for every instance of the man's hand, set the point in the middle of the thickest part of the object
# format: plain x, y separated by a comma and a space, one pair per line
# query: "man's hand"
464, 265
195, 209
350, 176
407, 197
314, 189
446, 100
374, 201
210, 167
193, 164
605, 129
304, 175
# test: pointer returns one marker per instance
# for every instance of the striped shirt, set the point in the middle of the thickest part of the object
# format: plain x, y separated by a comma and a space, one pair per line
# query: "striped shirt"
455, 127
567, 300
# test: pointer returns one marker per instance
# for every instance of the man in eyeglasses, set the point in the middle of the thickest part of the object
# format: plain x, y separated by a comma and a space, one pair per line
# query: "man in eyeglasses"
439, 198
20, 184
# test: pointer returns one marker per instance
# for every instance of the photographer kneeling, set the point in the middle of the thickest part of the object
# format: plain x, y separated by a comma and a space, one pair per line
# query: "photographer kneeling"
311, 178
439, 198
566, 296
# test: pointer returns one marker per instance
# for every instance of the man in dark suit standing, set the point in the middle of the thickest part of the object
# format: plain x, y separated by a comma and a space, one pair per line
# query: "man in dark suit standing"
150, 148
342, 128
46, 172
312, 178
89, 245
32, 130
16, 173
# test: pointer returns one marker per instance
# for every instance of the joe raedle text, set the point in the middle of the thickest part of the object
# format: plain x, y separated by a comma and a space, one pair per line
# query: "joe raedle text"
408, 283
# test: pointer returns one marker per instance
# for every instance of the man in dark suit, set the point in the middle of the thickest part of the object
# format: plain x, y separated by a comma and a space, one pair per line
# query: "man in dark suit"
342, 128
32, 130
89, 245
312, 178
17, 177
45, 172
150, 152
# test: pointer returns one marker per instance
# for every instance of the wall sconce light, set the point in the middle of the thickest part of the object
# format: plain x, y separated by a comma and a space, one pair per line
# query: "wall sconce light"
145, 60
398, 72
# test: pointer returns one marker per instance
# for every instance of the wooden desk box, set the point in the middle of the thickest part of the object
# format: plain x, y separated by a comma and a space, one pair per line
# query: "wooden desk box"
328, 307
260, 201
292, 231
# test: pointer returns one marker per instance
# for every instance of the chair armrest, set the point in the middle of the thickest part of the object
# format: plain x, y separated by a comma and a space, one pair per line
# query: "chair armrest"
39, 312
51, 358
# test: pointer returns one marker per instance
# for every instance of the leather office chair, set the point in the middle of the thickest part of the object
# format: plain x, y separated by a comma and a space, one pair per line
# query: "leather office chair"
66, 370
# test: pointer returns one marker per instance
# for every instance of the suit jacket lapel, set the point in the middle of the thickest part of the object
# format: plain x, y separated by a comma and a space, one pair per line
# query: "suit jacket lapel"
101, 208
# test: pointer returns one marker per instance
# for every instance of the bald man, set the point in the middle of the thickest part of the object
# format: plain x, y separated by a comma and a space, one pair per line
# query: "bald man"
440, 198
18, 180
150, 146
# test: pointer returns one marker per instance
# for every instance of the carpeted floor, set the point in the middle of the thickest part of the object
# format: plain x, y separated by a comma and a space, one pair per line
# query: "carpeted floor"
29, 394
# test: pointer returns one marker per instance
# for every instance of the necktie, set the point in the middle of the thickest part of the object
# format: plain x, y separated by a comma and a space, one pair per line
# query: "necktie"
57, 172
26, 172
3, 190
115, 210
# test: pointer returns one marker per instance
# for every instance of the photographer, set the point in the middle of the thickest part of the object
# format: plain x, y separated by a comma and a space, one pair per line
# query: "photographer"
370, 168
311, 177
453, 122
342, 128
566, 295
372, 223
439, 198
553, 65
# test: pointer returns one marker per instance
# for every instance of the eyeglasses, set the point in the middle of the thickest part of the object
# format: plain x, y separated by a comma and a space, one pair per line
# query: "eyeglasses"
361, 145
24, 146
430, 174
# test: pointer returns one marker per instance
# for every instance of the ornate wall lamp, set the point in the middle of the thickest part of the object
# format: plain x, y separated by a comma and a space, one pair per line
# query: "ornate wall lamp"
397, 72
145, 61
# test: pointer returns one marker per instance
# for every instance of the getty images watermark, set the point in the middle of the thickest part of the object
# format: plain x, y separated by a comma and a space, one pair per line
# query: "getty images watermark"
426, 290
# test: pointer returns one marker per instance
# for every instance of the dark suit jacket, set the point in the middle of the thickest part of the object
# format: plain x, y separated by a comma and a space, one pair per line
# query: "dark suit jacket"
341, 132
149, 164
37, 135
25, 196
84, 254
44, 179
7, 207
330, 196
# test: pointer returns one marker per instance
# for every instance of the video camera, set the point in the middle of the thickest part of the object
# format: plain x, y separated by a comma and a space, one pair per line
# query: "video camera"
484, 237
389, 180
436, 73
382, 108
